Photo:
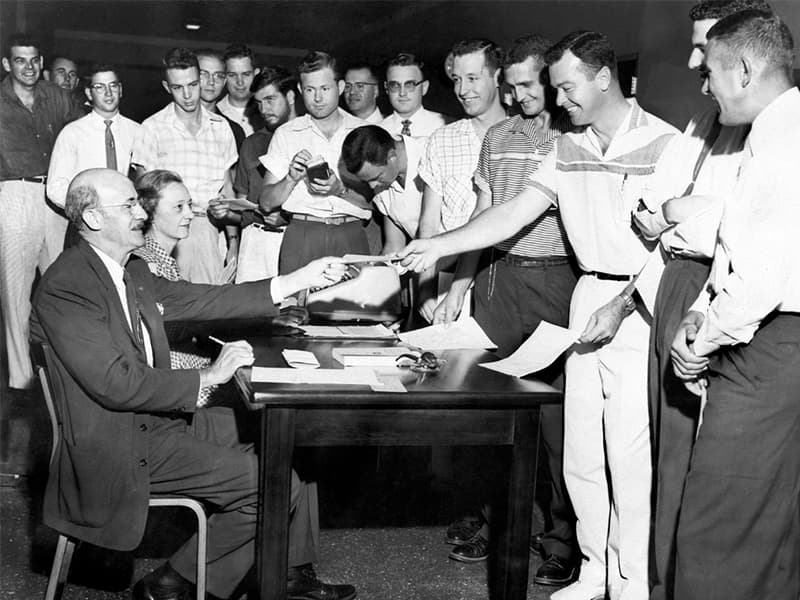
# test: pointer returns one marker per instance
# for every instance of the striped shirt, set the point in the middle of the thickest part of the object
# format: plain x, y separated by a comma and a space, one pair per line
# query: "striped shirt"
597, 191
202, 160
447, 168
512, 151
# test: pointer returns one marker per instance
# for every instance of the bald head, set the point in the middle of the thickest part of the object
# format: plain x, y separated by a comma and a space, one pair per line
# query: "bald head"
103, 204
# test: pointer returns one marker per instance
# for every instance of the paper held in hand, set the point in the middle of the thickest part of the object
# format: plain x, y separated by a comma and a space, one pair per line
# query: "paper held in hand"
539, 351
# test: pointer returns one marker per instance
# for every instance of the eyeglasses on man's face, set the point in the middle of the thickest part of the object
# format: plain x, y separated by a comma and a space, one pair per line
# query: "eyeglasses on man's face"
130, 205
103, 88
218, 76
407, 86
359, 86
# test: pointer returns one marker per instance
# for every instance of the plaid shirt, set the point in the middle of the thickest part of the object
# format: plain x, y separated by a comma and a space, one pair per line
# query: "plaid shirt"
202, 160
447, 168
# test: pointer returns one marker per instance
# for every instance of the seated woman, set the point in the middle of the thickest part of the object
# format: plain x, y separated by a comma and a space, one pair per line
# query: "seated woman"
168, 205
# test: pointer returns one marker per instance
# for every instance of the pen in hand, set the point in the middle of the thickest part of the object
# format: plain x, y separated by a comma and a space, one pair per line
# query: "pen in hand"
217, 340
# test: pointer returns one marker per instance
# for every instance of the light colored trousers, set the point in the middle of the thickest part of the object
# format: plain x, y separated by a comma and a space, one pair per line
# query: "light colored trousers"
606, 425
31, 236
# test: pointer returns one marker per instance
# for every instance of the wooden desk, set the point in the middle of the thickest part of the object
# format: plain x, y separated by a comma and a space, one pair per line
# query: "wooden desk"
462, 404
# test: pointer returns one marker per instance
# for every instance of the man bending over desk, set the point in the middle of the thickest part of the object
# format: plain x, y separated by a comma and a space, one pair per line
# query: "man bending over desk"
130, 424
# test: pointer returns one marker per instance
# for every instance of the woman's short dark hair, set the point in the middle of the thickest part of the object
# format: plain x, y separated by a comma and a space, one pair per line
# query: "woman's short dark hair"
149, 187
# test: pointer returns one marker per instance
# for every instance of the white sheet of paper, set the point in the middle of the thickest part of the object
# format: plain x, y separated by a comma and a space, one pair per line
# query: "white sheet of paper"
461, 334
300, 359
348, 331
649, 278
388, 382
349, 376
354, 259
539, 351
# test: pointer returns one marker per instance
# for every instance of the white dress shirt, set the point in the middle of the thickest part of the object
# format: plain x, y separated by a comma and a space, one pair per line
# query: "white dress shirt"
81, 145
423, 123
375, 117
402, 204
697, 235
755, 270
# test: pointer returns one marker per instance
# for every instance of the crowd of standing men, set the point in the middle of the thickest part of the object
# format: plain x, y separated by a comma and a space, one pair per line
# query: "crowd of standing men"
675, 459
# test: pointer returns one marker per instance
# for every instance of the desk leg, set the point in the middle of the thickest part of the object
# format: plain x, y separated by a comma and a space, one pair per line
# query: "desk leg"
277, 446
513, 551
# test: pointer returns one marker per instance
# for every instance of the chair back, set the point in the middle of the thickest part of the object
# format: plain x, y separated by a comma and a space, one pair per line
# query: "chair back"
43, 357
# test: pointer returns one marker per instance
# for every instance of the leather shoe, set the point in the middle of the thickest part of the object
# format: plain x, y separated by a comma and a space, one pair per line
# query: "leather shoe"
304, 585
475, 550
556, 571
462, 530
165, 583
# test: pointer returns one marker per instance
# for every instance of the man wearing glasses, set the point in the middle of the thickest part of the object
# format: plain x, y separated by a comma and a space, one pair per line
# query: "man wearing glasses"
361, 91
103, 138
212, 84
406, 84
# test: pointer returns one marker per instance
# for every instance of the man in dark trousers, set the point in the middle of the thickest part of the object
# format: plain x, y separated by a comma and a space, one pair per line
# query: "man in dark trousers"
131, 426
739, 526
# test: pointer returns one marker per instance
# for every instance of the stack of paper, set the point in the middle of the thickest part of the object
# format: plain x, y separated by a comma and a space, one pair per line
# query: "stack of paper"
348, 331
380, 356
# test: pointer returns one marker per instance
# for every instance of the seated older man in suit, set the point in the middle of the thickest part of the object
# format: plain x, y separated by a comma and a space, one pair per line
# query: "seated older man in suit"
131, 427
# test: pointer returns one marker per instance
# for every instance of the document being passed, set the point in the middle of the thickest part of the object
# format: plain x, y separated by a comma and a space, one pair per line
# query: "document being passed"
539, 351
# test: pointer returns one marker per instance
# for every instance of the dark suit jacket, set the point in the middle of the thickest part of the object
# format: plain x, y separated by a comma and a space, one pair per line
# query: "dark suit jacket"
98, 486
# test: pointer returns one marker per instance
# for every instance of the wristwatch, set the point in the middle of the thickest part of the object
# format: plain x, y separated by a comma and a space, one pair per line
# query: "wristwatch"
628, 303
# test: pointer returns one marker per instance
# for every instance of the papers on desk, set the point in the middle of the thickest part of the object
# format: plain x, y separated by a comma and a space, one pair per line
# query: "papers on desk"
463, 334
300, 359
348, 376
348, 331
539, 351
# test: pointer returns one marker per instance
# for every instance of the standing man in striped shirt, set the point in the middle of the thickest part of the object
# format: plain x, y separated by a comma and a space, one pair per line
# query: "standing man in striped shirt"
596, 176
526, 278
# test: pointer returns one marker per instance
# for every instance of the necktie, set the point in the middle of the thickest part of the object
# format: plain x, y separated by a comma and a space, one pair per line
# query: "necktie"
111, 149
133, 308
406, 127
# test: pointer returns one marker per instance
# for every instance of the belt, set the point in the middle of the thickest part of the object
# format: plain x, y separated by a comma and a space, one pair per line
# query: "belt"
327, 220
532, 262
609, 276
680, 255
39, 179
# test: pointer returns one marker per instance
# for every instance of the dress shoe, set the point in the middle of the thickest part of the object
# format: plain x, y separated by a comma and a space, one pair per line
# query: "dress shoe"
304, 585
556, 571
165, 583
475, 550
462, 530
580, 591
536, 542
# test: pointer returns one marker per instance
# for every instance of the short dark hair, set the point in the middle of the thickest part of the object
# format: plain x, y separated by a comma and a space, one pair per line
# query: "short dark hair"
80, 199
758, 33
280, 77
210, 53
180, 59
21, 40
239, 51
149, 187
98, 68
592, 48
357, 66
368, 143
492, 53
719, 9
530, 46
407, 59
316, 60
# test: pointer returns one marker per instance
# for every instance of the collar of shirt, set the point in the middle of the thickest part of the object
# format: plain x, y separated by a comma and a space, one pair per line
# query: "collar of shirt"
770, 121
39, 91
635, 117
169, 117
349, 122
101, 120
